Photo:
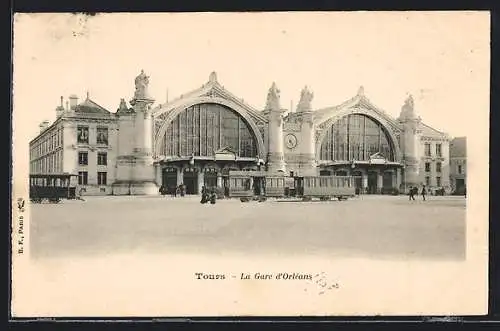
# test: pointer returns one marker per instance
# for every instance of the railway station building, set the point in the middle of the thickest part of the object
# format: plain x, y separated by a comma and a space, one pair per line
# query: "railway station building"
197, 138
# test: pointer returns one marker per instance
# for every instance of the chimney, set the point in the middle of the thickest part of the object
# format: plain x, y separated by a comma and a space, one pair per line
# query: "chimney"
60, 109
43, 126
73, 101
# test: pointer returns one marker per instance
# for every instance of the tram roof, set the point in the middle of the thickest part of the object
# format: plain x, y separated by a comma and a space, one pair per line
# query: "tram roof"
53, 175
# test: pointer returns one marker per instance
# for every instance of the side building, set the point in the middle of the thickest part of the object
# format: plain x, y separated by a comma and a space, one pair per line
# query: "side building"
83, 141
458, 165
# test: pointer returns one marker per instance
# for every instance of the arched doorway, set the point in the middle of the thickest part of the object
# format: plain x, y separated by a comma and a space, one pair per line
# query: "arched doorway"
358, 180
190, 180
169, 178
210, 177
387, 182
372, 182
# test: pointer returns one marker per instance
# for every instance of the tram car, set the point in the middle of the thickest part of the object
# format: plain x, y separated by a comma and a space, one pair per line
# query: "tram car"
51, 187
325, 187
240, 186
248, 185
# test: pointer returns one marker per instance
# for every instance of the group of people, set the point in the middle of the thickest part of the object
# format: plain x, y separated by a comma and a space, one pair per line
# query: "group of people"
174, 191
413, 190
208, 195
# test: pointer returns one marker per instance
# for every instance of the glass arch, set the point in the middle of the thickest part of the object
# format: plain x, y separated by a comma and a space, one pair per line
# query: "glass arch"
202, 129
356, 137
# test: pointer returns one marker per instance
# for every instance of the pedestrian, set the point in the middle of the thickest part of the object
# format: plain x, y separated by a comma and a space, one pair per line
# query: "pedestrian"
204, 195
424, 192
80, 194
411, 193
213, 197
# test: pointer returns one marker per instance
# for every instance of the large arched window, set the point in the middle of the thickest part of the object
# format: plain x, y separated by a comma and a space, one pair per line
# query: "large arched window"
356, 137
202, 129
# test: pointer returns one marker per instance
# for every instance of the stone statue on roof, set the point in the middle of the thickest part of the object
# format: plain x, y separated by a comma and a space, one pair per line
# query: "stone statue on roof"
141, 86
409, 103
408, 110
273, 98
306, 97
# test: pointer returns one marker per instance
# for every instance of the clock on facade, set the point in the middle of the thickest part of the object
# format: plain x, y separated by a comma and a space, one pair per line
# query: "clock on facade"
291, 141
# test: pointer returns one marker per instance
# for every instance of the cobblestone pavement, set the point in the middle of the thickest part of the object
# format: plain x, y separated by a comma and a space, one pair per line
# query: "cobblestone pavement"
381, 227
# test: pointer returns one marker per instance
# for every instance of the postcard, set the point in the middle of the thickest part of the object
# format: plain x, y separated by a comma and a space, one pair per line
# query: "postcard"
250, 164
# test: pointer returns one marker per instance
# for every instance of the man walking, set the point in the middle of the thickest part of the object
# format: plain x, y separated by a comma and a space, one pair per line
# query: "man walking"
411, 193
424, 192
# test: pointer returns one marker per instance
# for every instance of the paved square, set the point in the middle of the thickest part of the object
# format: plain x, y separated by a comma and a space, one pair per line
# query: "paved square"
382, 227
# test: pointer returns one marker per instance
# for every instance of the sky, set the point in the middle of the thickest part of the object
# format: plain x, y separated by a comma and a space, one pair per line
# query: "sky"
441, 58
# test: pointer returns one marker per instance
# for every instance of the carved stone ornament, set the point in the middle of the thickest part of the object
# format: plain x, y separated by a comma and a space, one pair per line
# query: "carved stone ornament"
408, 110
306, 97
141, 86
273, 98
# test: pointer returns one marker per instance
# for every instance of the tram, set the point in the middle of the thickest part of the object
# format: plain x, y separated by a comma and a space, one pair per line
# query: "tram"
253, 185
51, 187
326, 187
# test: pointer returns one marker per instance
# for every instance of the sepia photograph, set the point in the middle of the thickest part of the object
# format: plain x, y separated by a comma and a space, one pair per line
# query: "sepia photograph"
250, 164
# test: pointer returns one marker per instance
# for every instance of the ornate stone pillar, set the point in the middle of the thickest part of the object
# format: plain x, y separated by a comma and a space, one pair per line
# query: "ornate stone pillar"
308, 146
135, 165
398, 178
275, 154
411, 141
180, 176
159, 175
364, 182
380, 181
201, 180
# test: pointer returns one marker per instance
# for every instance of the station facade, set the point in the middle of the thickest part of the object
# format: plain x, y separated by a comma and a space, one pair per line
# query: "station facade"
199, 137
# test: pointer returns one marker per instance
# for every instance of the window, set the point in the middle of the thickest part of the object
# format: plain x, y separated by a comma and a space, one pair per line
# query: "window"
82, 178
83, 134
438, 150
102, 159
83, 158
427, 181
205, 128
101, 178
427, 167
438, 181
459, 169
438, 167
102, 136
427, 149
